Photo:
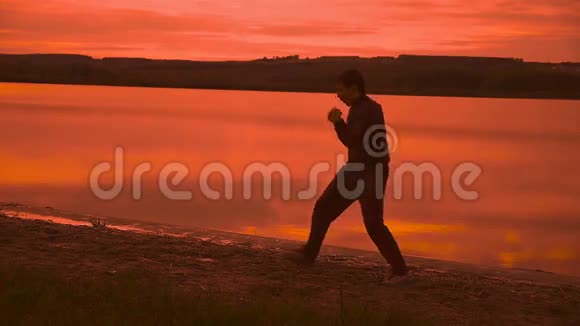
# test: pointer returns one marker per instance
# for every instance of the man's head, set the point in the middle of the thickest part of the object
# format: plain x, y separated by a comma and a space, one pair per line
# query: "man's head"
350, 86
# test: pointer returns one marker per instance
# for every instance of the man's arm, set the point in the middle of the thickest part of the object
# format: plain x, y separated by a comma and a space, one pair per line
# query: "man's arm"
352, 134
342, 132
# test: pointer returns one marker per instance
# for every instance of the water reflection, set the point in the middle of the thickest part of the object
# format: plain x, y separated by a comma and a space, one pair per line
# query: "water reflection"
526, 215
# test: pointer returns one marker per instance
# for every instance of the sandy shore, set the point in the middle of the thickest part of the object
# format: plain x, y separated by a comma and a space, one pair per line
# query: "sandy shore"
245, 266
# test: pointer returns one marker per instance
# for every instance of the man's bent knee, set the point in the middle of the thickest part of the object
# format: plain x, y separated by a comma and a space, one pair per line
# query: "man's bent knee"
374, 227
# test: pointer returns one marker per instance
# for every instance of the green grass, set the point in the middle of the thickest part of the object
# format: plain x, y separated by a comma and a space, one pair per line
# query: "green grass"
34, 297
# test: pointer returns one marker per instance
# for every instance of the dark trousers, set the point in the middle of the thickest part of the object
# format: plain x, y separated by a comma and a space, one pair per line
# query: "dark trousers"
334, 200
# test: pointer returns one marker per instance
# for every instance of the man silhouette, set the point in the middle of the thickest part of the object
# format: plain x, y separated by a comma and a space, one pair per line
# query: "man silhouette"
367, 166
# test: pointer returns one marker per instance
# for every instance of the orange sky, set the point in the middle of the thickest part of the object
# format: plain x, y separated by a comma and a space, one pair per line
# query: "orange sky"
539, 30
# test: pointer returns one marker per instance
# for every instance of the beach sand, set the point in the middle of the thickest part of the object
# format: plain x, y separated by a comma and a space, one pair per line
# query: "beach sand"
246, 266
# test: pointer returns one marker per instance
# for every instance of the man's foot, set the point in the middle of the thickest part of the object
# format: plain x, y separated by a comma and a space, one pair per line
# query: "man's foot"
400, 275
300, 256
399, 271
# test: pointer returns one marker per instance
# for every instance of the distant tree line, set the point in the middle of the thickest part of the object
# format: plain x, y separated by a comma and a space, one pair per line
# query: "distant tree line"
405, 75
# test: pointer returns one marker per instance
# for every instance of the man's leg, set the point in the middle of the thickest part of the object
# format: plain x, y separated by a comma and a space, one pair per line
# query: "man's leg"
327, 208
372, 211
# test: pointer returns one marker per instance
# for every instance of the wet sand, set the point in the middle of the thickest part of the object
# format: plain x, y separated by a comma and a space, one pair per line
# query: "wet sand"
244, 266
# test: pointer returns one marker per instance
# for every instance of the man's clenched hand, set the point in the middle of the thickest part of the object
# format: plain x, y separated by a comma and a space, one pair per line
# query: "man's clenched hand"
334, 115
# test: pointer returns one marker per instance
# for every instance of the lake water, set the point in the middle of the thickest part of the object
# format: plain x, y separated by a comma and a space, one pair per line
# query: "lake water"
527, 213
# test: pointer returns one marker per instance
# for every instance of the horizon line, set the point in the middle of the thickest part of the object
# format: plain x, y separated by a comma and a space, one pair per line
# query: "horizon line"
298, 57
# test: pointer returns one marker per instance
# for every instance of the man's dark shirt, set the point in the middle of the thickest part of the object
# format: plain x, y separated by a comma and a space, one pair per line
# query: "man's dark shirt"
364, 115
